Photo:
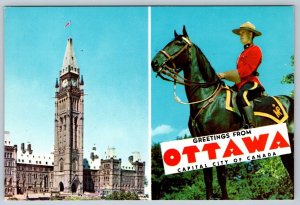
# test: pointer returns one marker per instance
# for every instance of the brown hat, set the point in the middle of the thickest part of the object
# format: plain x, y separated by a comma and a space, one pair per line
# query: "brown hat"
247, 26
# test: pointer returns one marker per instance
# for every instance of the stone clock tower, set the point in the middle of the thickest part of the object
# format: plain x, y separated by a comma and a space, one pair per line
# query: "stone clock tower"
68, 145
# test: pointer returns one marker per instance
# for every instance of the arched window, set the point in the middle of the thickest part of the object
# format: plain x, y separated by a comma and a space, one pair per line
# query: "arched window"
61, 165
75, 132
46, 181
74, 165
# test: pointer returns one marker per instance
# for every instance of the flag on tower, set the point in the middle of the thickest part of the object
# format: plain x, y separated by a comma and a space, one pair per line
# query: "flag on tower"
68, 24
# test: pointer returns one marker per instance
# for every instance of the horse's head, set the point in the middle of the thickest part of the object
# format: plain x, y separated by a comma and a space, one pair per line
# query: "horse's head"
171, 58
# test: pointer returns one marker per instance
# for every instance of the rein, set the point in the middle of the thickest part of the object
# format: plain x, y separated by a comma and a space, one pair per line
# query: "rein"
173, 72
214, 94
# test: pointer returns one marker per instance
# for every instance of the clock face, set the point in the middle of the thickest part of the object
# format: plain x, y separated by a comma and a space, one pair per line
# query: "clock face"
64, 83
74, 82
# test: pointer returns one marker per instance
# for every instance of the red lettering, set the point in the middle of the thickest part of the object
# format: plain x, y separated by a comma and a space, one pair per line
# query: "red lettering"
211, 150
256, 144
232, 148
279, 141
190, 152
172, 157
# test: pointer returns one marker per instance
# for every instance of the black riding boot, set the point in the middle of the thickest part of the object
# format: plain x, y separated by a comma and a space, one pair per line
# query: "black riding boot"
249, 117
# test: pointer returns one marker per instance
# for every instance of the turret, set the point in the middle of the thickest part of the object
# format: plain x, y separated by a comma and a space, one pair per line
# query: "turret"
23, 147
81, 86
56, 85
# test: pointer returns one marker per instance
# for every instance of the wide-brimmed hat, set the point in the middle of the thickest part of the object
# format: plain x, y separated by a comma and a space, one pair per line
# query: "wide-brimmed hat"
247, 26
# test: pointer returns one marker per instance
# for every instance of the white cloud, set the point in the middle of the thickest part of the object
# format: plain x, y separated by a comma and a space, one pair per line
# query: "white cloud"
184, 132
162, 129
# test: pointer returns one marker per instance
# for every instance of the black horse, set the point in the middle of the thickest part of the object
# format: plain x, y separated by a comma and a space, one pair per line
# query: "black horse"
206, 95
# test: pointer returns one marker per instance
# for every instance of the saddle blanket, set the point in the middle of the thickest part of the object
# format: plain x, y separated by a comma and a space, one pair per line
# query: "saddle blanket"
269, 107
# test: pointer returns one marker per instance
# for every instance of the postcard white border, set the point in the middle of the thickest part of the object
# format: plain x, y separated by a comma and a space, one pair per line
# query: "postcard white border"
295, 3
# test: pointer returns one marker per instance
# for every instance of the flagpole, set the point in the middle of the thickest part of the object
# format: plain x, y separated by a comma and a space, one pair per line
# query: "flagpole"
67, 26
70, 31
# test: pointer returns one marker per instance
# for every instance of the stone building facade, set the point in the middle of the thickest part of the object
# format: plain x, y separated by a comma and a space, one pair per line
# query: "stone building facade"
113, 174
10, 166
27, 172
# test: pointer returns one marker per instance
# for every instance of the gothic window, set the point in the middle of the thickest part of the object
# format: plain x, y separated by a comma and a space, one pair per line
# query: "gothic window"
65, 122
74, 165
75, 132
46, 181
61, 165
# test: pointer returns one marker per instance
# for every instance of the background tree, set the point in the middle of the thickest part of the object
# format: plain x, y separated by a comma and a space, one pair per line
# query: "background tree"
289, 78
122, 195
166, 184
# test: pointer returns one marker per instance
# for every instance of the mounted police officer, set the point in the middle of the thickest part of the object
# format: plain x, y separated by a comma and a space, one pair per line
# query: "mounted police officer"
245, 75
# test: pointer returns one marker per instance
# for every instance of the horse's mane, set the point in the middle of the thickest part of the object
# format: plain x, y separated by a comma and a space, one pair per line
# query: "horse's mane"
204, 65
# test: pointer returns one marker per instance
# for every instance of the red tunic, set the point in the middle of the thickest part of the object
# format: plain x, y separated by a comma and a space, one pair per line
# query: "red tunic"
247, 65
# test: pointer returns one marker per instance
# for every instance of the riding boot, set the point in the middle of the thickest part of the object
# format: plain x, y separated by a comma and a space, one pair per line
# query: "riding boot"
249, 116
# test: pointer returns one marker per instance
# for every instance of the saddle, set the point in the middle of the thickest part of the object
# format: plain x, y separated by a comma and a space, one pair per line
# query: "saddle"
265, 106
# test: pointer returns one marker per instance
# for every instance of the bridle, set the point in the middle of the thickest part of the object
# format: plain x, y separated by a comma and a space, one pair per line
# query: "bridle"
173, 72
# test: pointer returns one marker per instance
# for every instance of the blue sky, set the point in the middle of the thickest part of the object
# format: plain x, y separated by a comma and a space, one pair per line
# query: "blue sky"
211, 29
111, 49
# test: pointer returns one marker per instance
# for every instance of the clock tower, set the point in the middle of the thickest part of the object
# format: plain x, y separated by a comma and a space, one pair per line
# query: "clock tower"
68, 145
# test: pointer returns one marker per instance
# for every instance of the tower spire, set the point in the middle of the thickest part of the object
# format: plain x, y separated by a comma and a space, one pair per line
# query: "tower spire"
69, 61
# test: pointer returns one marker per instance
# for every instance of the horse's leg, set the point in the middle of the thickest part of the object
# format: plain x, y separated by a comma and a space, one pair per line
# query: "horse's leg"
208, 179
193, 130
288, 159
288, 162
221, 172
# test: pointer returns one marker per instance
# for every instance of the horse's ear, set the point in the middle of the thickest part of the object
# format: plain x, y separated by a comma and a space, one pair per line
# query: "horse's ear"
175, 33
184, 31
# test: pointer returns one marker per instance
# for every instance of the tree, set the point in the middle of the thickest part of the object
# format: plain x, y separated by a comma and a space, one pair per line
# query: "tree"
289, 78
145, 181
122, 195
166, 184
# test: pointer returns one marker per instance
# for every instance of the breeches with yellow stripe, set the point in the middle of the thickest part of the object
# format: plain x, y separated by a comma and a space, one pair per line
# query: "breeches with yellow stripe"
247, 93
